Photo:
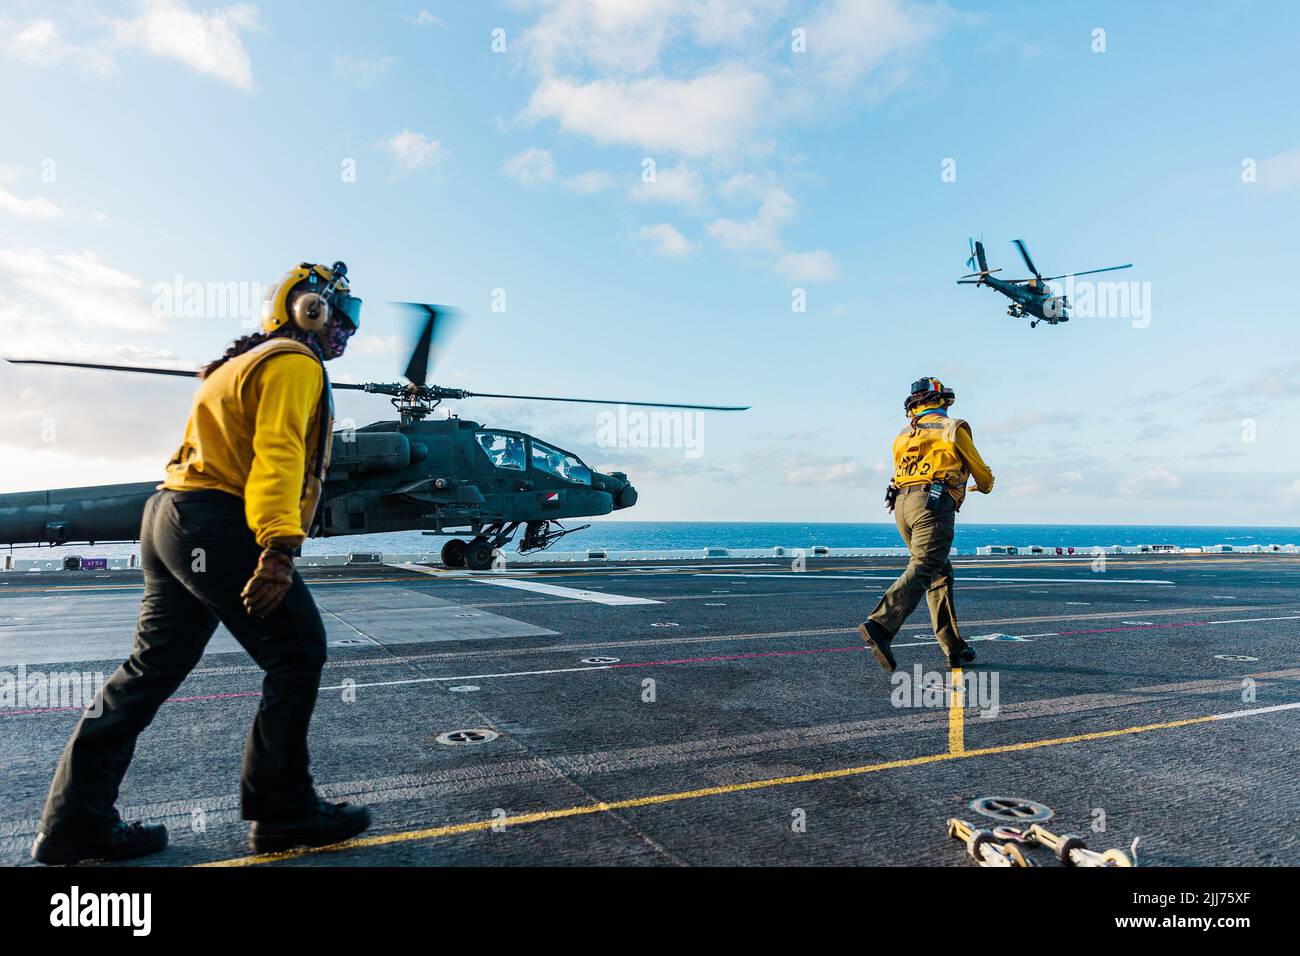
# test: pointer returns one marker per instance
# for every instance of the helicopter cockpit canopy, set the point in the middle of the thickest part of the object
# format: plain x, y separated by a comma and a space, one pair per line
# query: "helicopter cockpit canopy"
508, 450
503, 449
559, 463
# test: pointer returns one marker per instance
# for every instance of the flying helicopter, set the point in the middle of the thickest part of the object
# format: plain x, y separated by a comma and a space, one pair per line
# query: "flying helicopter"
437, 475
1033, 296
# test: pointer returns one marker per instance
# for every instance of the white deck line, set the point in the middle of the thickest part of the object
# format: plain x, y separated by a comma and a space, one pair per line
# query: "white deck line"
555, 590
832, 575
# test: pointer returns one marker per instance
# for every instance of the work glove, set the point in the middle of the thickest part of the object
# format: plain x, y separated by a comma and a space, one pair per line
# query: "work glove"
271, 580
891, 495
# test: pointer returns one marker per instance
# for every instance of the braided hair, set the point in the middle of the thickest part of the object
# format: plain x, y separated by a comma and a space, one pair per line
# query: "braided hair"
237, 347
246, 342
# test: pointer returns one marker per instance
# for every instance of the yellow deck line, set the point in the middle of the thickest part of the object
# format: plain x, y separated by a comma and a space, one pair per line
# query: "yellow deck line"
542, 816
957, 715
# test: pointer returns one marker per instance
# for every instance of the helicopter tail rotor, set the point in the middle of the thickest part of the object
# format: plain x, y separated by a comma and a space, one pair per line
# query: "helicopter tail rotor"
976, 259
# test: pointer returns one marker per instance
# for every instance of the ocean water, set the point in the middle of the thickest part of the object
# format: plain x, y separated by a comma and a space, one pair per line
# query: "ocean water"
655, 536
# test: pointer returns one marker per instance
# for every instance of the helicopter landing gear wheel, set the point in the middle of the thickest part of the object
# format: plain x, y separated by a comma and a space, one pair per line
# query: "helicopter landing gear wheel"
453, 553
478, 555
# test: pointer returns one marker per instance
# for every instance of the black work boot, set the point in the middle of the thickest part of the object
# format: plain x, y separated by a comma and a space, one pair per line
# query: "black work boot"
877, 640
120, 841
964, 656
327, 823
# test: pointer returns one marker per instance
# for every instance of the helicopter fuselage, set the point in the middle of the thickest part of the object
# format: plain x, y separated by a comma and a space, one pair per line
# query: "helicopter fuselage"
1032, 298
439, 476
450, 474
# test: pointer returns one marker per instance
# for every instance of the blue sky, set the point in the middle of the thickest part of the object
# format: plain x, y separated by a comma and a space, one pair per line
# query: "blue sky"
145, 141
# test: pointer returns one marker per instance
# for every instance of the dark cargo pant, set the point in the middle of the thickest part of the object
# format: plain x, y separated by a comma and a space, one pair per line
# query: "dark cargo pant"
928, 536
197, 553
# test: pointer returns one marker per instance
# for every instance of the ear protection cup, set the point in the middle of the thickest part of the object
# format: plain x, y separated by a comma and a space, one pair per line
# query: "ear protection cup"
310, 311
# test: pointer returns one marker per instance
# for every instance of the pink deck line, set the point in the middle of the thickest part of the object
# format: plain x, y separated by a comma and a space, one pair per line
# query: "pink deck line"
682, 660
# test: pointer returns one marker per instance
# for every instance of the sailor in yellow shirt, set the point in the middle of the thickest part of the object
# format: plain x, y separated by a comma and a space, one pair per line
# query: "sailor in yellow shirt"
216, 545
934, 455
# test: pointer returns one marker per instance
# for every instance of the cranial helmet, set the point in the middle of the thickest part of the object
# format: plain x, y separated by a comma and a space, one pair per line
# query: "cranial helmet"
928, 391
306, 298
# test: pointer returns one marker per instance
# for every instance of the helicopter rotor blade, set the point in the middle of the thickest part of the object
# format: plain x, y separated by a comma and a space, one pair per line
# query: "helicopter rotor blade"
608, 401
417, 368
1024, 254
436, 321
1127, 265
107, 368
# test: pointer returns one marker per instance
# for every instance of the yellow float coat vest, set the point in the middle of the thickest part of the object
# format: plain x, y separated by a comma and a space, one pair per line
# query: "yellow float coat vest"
261, 430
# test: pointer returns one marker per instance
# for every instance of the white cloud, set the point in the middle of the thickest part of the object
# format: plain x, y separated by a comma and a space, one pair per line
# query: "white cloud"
629, 37
1280, 172
532, 167
413, 152
590, 182
665, 240
426, 19
816, 266
209, 43
377, 344
1025, 489
760, 235
38, 207
76, 286
849, 38
753, 235
732, 22
622, 36
761, 232
676, 184
811, 473
706, 79
712, 113
1149, 482
40, 43
361, 70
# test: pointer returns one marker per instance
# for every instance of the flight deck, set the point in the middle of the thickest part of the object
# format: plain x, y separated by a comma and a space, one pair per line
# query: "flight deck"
717, 712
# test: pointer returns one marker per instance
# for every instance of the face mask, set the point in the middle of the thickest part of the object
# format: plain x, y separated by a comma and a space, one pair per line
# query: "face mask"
334, 337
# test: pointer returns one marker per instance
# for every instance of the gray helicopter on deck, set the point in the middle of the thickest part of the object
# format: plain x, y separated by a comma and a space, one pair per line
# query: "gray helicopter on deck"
436, 475
1031, 296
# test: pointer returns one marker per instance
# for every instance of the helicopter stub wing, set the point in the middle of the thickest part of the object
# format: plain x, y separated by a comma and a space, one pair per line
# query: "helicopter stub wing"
428, 489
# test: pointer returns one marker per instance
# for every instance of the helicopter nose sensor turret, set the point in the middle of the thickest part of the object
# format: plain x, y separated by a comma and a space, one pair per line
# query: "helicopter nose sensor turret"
616, 485
626, 496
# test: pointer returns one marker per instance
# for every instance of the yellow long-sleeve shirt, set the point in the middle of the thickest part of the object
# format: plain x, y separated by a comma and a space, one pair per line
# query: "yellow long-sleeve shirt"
979, 471
252, 432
